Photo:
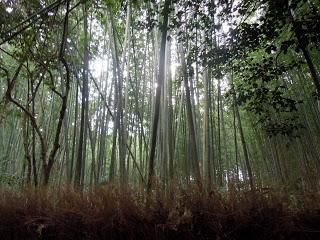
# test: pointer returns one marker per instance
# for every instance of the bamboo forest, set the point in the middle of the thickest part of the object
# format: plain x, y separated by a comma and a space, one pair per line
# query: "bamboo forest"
160, 119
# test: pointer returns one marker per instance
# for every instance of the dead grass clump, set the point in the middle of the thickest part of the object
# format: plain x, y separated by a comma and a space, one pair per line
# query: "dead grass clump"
107, 213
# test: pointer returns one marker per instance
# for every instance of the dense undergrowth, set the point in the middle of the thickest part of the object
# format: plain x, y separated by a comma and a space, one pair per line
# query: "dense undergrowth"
107, 213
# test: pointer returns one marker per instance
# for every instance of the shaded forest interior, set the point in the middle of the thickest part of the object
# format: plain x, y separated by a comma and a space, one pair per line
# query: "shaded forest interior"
160, 119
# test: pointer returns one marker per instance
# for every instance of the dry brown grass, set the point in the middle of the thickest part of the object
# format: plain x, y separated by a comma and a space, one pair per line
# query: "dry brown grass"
107, 213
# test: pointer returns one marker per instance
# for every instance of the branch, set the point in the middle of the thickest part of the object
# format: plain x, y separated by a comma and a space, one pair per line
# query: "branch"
11, 85
53, 88
30, 20
64, 105
36, 89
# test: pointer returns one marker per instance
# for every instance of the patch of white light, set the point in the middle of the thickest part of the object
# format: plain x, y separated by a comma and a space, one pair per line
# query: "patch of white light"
225, 27
255, 17
98, 66
173, 52
98, 69
240, 174
224, 84
110, 125
9, 9
173, 69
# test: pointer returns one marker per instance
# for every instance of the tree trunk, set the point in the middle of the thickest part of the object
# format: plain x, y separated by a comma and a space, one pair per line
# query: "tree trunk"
83, 124
193, 143
158, 93
244, 146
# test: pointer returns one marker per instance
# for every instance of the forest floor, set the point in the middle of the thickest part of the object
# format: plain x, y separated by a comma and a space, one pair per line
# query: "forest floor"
107, 213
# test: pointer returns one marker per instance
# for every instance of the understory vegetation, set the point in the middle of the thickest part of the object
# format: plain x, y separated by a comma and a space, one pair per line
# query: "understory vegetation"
107, 213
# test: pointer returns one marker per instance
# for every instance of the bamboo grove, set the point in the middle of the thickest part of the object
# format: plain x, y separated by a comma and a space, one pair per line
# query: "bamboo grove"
160, 93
